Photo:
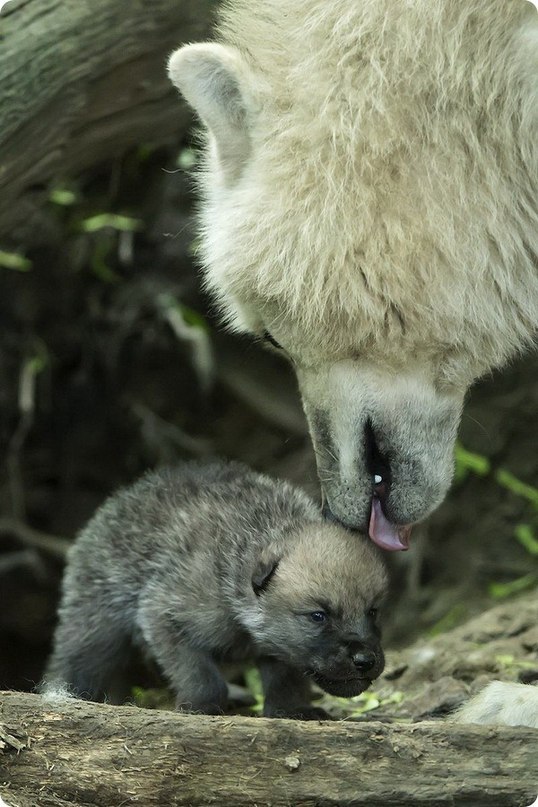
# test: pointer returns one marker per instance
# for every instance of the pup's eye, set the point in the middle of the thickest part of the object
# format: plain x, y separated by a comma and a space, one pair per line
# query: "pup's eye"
318, 616
268, 338
372, 612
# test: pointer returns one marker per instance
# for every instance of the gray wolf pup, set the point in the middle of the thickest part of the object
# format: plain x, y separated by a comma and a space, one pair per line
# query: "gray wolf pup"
205, 563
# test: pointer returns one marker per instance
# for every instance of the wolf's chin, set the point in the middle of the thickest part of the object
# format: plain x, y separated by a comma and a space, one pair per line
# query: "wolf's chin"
341, 687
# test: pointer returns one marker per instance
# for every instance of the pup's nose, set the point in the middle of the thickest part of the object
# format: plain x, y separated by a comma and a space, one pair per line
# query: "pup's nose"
363, 660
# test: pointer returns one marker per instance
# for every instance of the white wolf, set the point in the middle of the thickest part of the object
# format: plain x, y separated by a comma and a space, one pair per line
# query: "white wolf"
370, 203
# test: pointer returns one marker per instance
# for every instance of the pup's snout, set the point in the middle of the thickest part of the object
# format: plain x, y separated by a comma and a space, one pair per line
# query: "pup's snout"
363, 660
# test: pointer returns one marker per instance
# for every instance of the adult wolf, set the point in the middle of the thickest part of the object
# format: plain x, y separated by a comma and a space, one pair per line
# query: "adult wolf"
370, 204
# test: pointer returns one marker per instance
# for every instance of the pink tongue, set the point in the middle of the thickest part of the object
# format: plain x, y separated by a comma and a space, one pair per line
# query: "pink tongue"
383, 533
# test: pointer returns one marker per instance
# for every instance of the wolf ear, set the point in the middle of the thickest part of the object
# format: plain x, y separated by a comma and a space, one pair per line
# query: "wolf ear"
215, 80
263, 574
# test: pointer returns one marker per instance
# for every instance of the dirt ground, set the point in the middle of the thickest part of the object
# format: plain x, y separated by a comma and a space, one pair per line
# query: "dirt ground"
112, 361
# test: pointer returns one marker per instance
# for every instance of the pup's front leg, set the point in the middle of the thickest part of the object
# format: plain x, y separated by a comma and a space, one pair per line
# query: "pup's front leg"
197, 682
287, 692
192, 673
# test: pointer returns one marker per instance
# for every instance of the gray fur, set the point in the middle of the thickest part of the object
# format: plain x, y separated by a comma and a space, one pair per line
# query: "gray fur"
172, 563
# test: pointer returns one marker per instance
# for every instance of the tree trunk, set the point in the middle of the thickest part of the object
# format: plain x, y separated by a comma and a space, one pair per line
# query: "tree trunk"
77, 753
82, 82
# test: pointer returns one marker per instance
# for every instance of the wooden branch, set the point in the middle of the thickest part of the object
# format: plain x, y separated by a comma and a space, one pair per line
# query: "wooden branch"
81, 754
51, 544
82, 82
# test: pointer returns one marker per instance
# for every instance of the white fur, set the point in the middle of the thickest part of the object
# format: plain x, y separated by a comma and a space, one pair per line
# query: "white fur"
370, 197
396, 145
502, 703
214, 79
55, 694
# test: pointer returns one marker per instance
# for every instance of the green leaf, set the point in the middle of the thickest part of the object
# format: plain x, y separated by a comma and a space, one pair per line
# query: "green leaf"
194, 319
32, 367
511, 663
100, 267
12, 260
36, 364
191, 327
499, 591
152, 698
254, 683
114, 221
525, 535
369, 701
62, 197
190, 317
450, 620
515, 485
504, 660
469, 462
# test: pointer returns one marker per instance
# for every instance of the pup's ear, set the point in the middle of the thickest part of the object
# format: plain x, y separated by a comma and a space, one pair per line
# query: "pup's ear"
263, 573
217, 83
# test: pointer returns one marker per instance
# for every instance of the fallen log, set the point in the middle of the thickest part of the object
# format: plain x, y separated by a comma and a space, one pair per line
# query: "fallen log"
81, 83
55, 754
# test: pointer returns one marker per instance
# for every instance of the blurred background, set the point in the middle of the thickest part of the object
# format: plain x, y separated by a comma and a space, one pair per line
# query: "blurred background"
112, 360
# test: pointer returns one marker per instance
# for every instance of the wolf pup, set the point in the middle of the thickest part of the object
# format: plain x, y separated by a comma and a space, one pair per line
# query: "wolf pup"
207, 563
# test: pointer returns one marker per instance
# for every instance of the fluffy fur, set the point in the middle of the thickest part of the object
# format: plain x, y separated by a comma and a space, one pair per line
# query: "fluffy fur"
369, 198
214, 562
505, 703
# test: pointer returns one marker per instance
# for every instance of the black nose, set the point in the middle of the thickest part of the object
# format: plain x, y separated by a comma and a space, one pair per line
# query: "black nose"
363, 660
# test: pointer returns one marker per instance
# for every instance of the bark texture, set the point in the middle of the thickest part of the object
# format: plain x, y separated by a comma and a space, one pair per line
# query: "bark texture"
82, 82
77, 753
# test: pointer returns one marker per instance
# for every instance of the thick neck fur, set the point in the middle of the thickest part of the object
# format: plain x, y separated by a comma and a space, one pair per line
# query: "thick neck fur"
392, 181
